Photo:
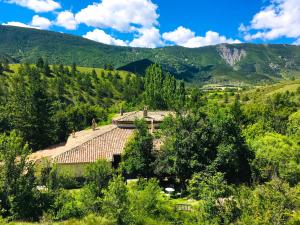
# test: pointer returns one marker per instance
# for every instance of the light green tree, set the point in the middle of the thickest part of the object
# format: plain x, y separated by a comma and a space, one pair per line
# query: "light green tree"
116, 203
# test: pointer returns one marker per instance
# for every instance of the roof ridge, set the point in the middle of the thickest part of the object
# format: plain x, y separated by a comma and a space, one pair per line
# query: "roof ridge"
129, 114
74, 148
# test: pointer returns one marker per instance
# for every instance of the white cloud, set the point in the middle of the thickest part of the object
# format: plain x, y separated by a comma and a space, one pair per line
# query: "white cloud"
37, 22
186, 38
67, 20
101, 36
18, 24
40, 22
279, 19
179, 36
37, 5
148, 38
121, 15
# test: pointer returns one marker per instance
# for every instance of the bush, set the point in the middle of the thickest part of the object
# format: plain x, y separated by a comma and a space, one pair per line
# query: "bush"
271, 203
66, 206
116, 201
97, 176
146, 200
205, 186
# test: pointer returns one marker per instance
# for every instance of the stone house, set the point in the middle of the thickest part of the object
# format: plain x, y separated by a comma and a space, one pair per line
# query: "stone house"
104, 142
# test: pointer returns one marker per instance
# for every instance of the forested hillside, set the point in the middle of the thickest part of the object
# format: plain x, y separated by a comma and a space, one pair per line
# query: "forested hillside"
237, 64
46, 103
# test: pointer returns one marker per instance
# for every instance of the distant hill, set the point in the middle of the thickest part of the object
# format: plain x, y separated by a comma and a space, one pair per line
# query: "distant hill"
137, 67
236, 63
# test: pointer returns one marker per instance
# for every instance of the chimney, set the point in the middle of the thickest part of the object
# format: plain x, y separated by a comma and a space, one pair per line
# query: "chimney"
121, 111
152, 126
94, 124
73, 134
145, 113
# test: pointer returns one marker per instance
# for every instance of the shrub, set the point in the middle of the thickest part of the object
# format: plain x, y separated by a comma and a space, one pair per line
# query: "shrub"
116, 201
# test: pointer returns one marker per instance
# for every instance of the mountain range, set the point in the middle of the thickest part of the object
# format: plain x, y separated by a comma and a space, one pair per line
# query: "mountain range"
223, 63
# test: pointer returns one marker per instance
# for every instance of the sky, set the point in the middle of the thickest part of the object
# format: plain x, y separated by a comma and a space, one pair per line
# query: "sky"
158, 23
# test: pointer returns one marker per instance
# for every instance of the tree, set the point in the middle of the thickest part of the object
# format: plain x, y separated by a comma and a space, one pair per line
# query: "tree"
294, 124
153, 87
237, 112
47, 70
198, 142
271, 203
28, 107
169, 90
18, 106
138, 155
74, 69
40, 63
18, 194
226, 98
98, 175
146, 200
186, 143
277, 111
116, 201
180, 97
276, 156
1, 69
204, 186
6, 65
40, 119
231, 153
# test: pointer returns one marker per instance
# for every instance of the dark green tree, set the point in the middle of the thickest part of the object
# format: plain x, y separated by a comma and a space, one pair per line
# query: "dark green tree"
1, 69
40, 63
138, 156
47, 70
74, 69
40, 111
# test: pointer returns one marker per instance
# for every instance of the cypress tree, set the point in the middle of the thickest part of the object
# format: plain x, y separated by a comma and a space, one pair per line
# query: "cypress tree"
153, 87
181, 96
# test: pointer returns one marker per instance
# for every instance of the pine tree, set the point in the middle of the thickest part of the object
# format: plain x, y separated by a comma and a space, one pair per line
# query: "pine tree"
40, 110
47, 70
6, 65
1, 68
40, 63
28, 107
18, 107
74, 69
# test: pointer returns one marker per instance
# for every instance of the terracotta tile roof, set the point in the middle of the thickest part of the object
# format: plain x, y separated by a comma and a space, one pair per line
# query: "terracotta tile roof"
80, 138
101, 147
102, 143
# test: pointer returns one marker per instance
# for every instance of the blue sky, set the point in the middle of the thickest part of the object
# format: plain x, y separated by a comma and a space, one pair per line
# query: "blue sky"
155, 23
